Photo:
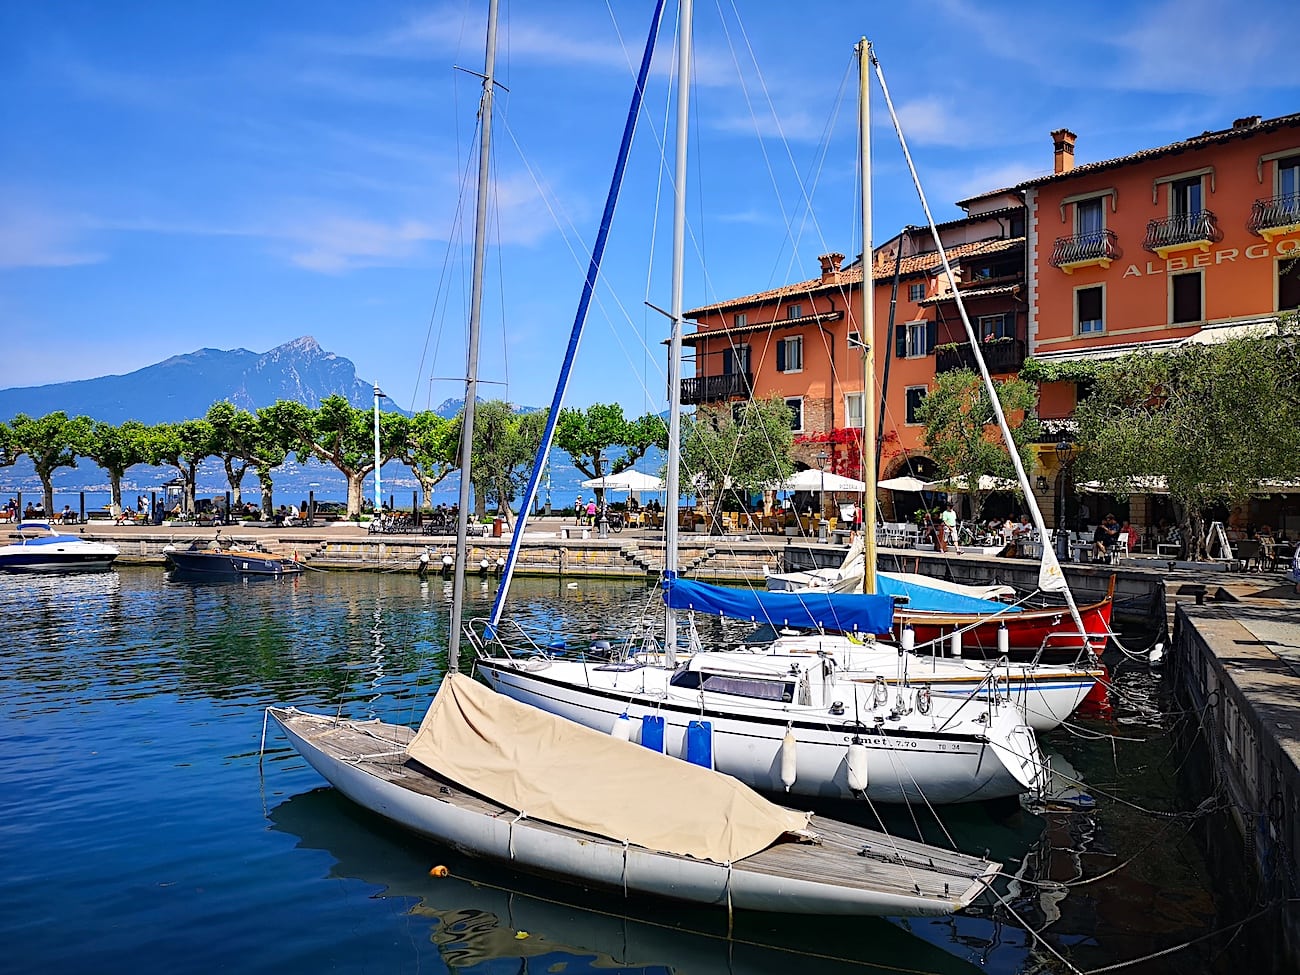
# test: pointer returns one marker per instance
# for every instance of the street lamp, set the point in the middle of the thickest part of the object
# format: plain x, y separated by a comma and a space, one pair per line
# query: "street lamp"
821, 500
378, 490
1064, 456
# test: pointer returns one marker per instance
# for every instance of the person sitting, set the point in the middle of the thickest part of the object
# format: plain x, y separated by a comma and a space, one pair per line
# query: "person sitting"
1104, 538
1131, 536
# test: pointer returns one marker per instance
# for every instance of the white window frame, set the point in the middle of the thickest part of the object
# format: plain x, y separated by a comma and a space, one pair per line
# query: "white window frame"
794, 342
1170, 288
1100, 203
794, 311
1002, 325
1176, 187
850, 400
1282, 165
916, 291
918, 337
792, 402
739, 320
907, 391
1100, 329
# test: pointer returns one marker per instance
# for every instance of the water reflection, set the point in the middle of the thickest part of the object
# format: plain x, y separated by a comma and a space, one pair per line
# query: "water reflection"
483, 915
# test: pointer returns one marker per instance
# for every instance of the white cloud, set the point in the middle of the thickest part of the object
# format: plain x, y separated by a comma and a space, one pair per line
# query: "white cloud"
931, 121
31, 236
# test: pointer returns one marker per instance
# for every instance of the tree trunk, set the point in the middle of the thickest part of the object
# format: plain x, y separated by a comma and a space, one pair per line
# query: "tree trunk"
356, 483
115, 488
47, 491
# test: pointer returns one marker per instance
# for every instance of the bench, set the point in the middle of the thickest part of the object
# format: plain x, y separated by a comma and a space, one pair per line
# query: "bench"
1168, 548
568, 531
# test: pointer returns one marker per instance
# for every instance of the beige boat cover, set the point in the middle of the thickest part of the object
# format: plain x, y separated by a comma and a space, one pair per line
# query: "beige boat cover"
556, 770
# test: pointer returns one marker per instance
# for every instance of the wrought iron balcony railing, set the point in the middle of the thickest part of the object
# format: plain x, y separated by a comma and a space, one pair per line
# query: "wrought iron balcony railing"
1182, 229
1281, 211
1000, 356
707, 389
1100, 245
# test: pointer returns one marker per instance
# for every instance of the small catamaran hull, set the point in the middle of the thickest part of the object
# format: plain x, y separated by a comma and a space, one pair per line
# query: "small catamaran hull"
903, 765
852, 871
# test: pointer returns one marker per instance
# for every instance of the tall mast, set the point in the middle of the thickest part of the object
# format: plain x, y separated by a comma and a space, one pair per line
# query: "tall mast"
685, 16
866, 327
471, 363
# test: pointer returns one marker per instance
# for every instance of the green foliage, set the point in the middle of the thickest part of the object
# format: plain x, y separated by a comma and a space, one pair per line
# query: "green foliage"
431, 445
588, 435
116, 448
52, 442
184, 446
961, 431
746, 451
504, 443
1214, 420
8, 450
1072, 371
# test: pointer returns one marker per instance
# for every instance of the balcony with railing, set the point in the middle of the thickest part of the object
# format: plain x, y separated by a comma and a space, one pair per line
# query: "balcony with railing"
1275, 217
1000, 355
1095, 248
1182, 232
708, 389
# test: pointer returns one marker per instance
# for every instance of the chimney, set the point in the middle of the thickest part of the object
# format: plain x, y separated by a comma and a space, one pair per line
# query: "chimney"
1249, 122
1063, 150
831, 267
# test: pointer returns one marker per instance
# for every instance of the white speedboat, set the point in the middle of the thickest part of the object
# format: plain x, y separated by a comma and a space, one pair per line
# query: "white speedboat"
35, 546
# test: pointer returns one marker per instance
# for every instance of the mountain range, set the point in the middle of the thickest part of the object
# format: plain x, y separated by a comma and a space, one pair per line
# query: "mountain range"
185, 386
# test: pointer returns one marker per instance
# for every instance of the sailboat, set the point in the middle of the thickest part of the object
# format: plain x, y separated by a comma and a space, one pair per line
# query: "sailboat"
498, 779
989, 627
795, 722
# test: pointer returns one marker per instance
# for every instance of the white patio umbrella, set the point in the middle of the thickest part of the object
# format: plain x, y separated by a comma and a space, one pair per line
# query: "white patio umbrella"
959, 485
813, 480
904, 483
629, 480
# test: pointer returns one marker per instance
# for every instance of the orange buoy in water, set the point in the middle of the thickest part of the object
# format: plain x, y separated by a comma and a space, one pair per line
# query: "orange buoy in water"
438, 871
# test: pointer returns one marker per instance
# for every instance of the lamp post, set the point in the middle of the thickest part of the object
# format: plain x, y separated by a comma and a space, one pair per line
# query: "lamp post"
821, 500
379, 506
1064, 457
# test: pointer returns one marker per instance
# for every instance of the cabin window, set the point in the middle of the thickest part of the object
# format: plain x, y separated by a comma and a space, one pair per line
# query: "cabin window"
763, 690
789, 354
1185, 299
795, 405
915, 396
1090, 310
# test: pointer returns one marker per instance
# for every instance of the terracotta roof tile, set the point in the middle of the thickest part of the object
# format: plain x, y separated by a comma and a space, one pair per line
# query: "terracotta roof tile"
1196, 142
968, 294
915, 264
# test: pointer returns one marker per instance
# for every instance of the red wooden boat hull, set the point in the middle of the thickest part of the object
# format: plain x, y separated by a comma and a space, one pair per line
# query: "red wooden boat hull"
1051, 630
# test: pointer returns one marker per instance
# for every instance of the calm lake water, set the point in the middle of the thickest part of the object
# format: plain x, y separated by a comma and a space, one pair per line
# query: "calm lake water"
141, 831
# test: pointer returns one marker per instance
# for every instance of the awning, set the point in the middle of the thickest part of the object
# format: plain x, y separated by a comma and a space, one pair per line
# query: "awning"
987, 482
812, 480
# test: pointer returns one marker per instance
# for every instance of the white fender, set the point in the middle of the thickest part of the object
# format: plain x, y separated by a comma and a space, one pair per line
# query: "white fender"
1004, 640
954, 644
623, 727
788, 745
909, 639
857, 762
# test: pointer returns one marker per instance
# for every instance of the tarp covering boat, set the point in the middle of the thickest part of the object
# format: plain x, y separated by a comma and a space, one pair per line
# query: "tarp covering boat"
556, 770
843, 612
922, 598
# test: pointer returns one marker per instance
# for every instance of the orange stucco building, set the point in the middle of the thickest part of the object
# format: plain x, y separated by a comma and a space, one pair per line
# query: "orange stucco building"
1192, 241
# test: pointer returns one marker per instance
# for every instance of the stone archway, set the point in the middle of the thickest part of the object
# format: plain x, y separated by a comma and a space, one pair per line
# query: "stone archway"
902, 505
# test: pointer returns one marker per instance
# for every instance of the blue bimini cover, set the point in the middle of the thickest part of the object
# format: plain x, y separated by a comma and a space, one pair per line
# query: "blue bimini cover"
839, 612
921, 598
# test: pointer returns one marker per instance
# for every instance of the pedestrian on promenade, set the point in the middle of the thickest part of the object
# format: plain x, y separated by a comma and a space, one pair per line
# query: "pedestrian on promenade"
949, 519
591, 512
579, 509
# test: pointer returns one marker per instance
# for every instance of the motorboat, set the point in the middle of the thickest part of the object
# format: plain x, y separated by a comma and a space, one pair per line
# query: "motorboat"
223, 559
35, 546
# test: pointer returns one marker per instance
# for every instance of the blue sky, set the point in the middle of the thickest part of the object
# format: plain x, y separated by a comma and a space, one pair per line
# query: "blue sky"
238, 174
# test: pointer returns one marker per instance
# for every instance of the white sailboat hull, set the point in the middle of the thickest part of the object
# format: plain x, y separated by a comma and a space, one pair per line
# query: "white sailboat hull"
387, 784
906, 762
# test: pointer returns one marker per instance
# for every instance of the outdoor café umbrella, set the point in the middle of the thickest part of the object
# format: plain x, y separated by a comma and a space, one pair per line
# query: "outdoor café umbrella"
958, 485
629, 480
904, 483
814, 480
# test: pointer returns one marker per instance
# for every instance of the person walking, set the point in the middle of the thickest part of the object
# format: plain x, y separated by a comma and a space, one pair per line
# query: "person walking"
579, 509
949, 518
